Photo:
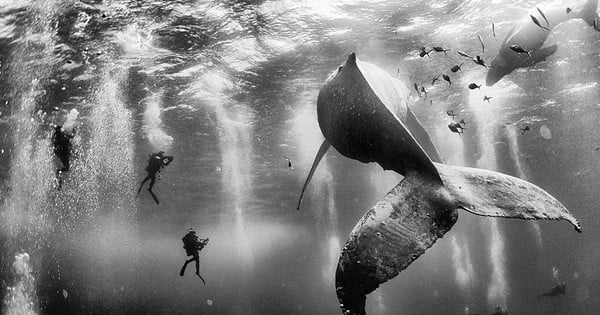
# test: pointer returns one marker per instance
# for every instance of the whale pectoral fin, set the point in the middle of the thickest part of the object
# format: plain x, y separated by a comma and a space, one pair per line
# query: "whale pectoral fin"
422, 137
493, 194
324, 146
542, 54
389, 237
508, 35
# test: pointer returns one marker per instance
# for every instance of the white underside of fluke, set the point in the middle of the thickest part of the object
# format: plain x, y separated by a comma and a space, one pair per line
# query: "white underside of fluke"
493, 194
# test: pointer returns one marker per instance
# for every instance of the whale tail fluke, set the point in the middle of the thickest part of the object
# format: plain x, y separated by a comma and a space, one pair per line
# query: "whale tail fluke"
589, 15
390, 236
418, 211
493, 194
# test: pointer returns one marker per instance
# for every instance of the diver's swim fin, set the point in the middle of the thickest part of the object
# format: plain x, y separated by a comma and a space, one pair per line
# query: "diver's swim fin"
154, 196
201, 278
324, 146
493, 194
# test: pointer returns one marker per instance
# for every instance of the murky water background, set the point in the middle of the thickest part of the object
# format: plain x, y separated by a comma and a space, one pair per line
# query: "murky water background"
229, 88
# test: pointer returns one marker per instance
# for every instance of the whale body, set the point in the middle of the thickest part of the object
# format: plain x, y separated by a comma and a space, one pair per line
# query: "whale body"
531, 38
363, 113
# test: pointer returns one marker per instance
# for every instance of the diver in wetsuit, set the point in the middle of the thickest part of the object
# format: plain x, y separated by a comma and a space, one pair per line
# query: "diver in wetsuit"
193, 246
62, 149
156, 161
558, 289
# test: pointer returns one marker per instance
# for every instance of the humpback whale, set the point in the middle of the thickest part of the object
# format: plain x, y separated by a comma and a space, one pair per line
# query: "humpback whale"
363, 113
531, 37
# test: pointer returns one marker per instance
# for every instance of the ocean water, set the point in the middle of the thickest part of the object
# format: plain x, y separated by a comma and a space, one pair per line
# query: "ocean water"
229, 88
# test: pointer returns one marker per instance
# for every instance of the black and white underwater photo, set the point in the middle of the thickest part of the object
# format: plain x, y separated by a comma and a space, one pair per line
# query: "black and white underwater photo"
299, 157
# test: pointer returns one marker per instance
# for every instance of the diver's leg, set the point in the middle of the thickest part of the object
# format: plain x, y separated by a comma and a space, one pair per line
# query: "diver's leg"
197, 259
143, 182
65, 162
154, 197
183, 268
152, 180
60, 171
60, 180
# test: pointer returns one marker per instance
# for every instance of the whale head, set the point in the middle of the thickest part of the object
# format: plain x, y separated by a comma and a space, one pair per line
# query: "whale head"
362, 112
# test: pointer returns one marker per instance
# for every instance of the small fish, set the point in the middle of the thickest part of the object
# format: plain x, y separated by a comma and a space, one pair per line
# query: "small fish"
441, 49
450, 113
519, 49
478, 60
447, 78
456, 127
535, 20
544, 16
424, 91
473, 86
417, 88
462, 121
430, 102
493, 30
424, 52
289, 162
457, 67
569, 10
481, 42
462, 53
524, 129
435, 79
487, 98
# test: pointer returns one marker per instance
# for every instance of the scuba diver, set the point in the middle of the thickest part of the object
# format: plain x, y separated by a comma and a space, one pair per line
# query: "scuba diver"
558, 289
156, 161
62, 148
193, 246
